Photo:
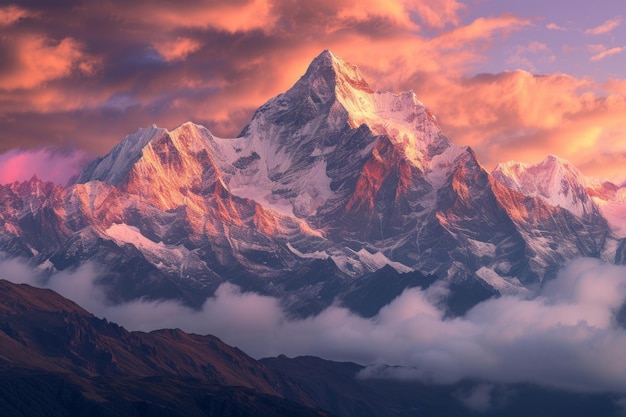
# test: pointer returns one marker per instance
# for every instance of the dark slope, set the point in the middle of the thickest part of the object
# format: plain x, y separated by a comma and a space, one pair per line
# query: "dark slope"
56, 359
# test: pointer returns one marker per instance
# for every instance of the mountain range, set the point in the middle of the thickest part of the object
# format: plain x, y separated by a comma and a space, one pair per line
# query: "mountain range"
56, 359
332, 193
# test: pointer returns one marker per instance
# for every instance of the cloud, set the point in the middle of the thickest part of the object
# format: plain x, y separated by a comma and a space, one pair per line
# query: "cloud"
605, 27
120, 66
438, 14
177, 49
482, 29
48, 164
554, 26
609, 52
478, 398
9, 15
36, 59
233, 16
566, 337
524, 56
520, 116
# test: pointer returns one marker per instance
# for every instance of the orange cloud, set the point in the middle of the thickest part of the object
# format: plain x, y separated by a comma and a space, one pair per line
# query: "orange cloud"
397, 12
605, 27
178, 49
438, 14
12, 14
253, 50
482, 29
538, 50
520, 116
233, 16
38, 59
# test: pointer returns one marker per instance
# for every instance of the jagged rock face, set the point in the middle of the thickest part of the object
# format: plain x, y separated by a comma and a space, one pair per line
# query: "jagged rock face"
554, 180
329, 172
331, 148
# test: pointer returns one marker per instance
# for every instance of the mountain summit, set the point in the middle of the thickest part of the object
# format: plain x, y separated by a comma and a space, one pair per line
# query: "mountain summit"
329, 191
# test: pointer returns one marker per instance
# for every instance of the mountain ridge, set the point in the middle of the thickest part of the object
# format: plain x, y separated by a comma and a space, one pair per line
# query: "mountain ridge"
329, 171
56, 359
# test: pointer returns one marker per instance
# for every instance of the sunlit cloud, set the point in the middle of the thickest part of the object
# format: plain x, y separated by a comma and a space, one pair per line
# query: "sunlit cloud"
167, 64
37, 59
609, 52
438, 14
12, 14
178, 49
232, 16
525, 56
47, 164
554, 26
482, 29
605, 27
521, 116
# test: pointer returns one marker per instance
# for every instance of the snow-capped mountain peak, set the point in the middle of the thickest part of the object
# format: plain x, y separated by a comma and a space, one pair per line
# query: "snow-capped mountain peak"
303, 149
335, 71
402, 117
114, 166
554, 179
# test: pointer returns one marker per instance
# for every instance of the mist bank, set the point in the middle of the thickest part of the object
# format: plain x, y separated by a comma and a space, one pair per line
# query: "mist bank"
567, 336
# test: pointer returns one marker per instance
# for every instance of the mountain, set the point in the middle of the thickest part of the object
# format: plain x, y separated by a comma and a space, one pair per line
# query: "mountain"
331, 190
341, 388
554, 180
58, 359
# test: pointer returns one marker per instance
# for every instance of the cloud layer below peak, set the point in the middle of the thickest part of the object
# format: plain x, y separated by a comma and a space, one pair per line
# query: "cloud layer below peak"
566, 337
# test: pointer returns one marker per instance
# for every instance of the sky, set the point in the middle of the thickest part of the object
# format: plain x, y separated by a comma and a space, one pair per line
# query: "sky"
515, 80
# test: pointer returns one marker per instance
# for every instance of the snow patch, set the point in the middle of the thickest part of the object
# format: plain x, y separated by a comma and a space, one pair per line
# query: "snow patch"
311, 255
506, 286
163, 256
377, 260
484, 248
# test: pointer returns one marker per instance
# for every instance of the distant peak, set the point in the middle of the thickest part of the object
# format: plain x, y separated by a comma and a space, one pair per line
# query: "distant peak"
325, 58
553, 159
549, 162
114, 166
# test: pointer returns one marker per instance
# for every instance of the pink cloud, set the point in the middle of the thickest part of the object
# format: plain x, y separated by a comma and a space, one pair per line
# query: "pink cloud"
609, 52
47, 164
178, 49
554, 26
538, 50
605, 27
482, 29
12, 14
438, 14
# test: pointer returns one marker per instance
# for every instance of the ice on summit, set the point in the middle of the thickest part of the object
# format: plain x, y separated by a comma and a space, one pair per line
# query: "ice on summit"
554, 179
